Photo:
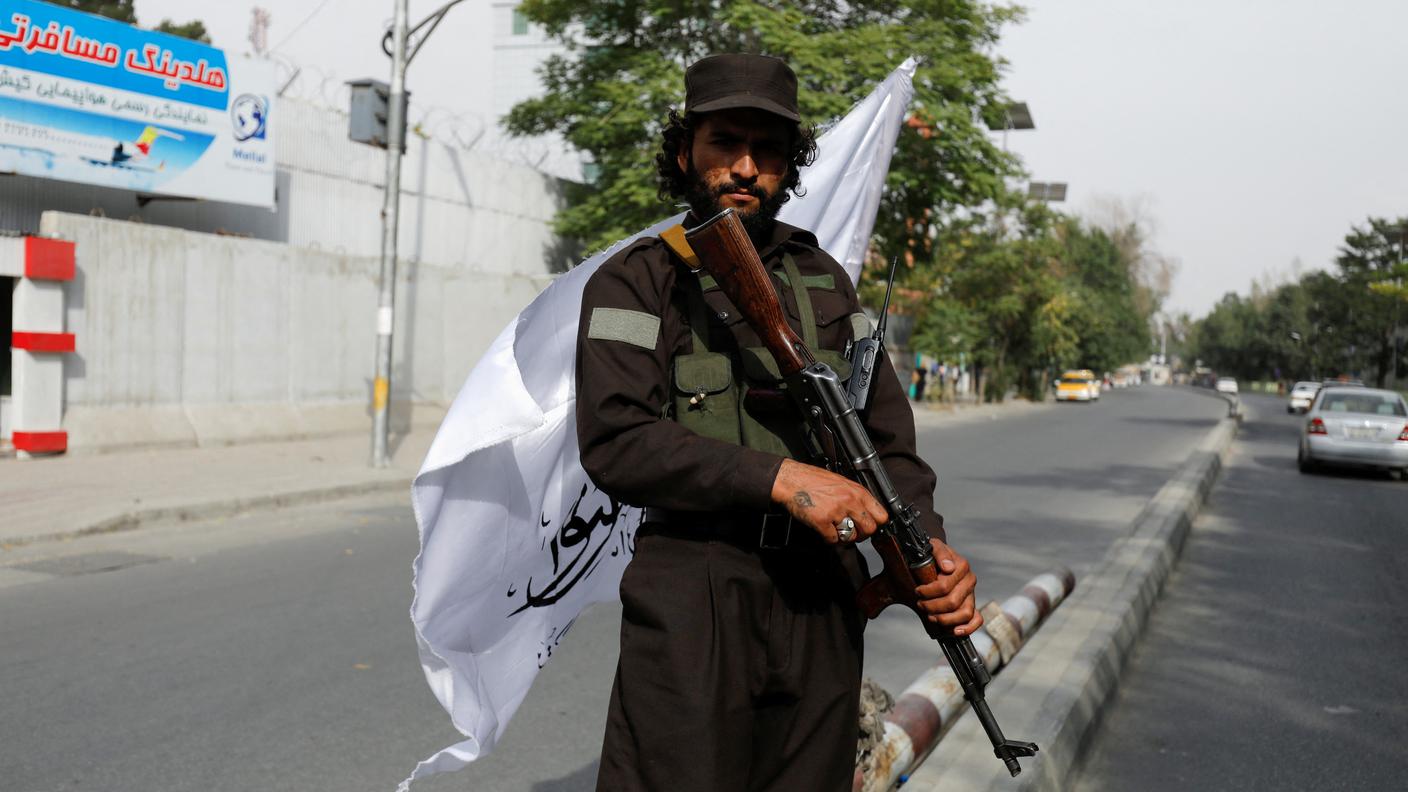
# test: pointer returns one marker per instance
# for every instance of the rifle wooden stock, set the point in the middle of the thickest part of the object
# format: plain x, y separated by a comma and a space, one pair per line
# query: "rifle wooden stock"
726, 252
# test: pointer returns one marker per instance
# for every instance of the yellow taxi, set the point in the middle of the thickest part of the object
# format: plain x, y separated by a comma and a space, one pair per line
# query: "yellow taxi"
1078, 385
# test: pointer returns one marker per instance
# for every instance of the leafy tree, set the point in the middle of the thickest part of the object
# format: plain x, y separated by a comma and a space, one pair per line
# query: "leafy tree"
1029, 297
1116, 310
1001, 300
625, 63
1225, 336
1371, 265
1325, 324
1392, 281
121, 10
194, 30
124, 11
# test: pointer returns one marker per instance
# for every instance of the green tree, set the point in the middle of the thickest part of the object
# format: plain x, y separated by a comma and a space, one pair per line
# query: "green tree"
1019, 313
1371, 265
1115, 311
624, 66
1030, 296
121, 10
194, 30
1224, 337
1326, 324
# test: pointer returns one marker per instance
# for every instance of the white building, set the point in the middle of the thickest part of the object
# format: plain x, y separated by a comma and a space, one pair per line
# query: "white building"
519, 49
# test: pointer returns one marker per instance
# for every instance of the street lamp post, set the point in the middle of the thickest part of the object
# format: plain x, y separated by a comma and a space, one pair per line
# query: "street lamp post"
1016, 115
395, 43
1402, 231
390, 210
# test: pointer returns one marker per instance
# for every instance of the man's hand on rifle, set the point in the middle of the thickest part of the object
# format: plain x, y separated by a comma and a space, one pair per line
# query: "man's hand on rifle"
951, 599
823, 500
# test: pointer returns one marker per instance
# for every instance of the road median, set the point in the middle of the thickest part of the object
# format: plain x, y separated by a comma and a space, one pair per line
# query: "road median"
1055, 691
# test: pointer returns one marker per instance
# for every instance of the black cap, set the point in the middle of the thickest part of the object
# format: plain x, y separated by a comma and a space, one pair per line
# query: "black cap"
723, 82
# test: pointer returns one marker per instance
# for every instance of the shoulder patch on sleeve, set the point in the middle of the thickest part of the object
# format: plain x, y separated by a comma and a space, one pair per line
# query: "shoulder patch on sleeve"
860, 326
619, 324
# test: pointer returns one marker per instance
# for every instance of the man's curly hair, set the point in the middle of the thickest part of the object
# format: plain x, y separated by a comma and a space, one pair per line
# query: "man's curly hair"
679, 131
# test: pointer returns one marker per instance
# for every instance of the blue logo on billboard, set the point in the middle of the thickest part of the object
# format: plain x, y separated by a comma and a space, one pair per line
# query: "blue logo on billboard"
250, 114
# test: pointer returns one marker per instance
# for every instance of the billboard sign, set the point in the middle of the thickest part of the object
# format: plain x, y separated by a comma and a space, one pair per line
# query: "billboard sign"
88, 99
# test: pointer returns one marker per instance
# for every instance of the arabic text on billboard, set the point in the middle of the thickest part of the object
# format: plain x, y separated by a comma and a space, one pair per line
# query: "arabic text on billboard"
88, 99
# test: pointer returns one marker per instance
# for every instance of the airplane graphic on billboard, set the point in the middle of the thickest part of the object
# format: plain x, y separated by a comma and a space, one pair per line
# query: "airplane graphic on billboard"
102, 150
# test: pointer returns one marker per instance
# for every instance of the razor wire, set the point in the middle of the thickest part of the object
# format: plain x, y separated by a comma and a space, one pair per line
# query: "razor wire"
461, 129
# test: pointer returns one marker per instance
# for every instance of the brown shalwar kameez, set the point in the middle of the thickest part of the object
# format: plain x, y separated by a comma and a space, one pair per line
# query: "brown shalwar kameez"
740, 666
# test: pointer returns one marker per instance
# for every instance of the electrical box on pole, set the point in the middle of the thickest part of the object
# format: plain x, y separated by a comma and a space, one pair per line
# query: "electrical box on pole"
370, 112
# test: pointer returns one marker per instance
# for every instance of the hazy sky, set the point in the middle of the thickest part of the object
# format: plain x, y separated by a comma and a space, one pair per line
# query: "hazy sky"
1257, 131
1253, 132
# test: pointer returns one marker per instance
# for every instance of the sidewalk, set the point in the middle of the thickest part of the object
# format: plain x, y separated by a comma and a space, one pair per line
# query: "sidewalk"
935, 413
68, 495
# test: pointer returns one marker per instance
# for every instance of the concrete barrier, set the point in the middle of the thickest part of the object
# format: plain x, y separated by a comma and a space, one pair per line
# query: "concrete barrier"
38, 342
1053, 694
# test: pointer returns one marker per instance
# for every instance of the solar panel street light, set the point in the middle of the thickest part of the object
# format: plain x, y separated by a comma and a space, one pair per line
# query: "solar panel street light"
1014, 116
1051, 192
1019, 116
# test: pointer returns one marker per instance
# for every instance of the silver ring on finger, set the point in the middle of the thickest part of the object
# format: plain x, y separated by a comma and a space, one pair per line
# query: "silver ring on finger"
846, 531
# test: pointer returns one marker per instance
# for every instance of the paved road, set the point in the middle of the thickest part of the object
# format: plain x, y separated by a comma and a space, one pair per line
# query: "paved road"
273, 652
1275, 659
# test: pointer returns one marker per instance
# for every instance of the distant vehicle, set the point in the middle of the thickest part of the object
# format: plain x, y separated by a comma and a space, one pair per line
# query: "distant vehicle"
1357, 426
1077, 386
1097, 385
1302, 394
1226, 385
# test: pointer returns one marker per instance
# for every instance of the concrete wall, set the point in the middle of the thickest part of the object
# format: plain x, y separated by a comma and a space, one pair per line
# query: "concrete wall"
185, 337
204, 322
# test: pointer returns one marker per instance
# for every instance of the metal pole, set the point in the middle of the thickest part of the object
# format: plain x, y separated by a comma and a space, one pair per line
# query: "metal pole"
386, 302
1402, 259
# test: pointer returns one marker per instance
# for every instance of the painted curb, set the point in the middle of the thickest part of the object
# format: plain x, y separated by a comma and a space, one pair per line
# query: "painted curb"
930, 705
1055, 691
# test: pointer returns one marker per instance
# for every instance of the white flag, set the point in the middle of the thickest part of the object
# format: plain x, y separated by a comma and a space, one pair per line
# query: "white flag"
515, 540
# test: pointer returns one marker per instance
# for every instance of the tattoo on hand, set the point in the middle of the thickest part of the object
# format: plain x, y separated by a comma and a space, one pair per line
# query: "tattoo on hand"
803, 499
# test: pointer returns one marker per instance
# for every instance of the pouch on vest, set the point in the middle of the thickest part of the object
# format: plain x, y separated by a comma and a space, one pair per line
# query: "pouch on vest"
769, 420
705, 395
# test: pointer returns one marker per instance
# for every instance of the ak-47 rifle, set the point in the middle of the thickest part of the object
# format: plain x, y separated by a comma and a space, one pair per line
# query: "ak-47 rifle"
723, 248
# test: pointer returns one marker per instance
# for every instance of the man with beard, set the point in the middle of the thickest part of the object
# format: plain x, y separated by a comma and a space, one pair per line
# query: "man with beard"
740, 658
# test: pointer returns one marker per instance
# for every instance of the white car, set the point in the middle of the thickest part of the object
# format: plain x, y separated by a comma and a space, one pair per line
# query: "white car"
1226, 385
1355, 426
1302, 394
